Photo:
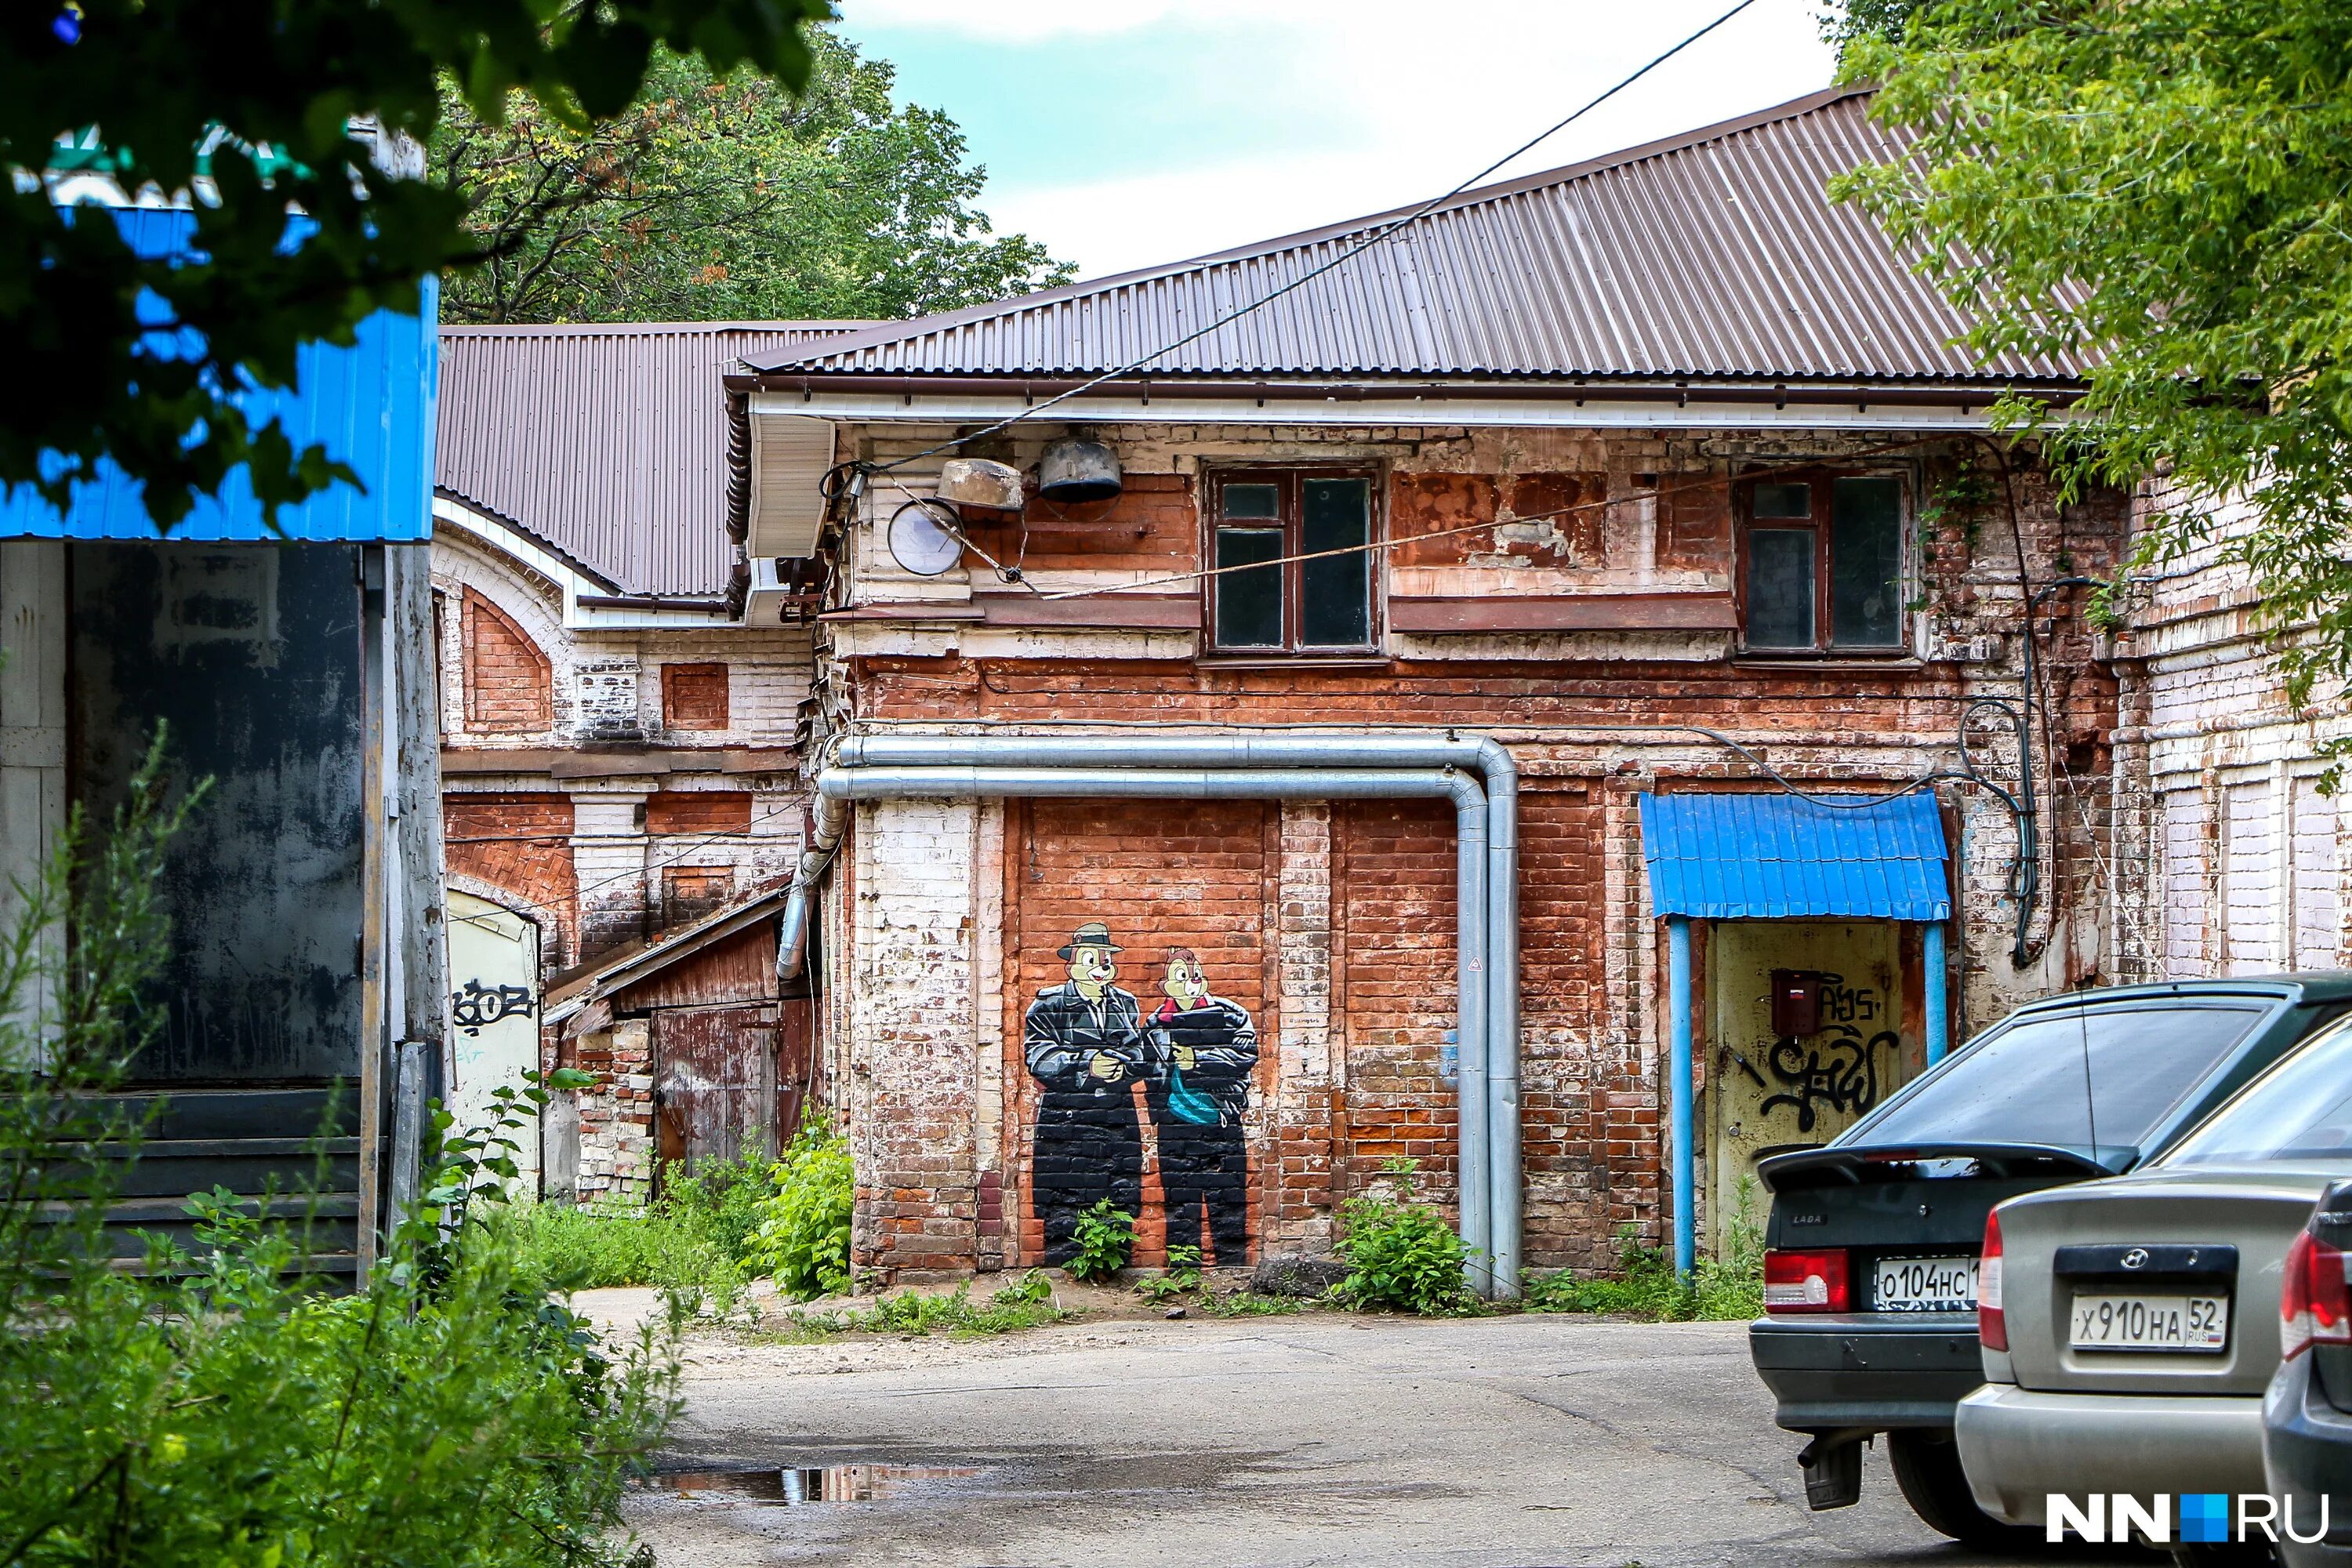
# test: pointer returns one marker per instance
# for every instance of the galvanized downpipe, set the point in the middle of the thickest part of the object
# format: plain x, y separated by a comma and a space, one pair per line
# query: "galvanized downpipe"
966, 782
1489, 1018
824, 838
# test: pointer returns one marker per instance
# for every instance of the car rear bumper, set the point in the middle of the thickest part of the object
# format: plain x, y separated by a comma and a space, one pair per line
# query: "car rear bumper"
2019, 1445
2307, 1454
1874, 1371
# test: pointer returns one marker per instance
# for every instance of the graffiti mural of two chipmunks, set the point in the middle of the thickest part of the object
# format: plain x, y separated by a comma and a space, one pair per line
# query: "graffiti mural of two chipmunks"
1088, 1042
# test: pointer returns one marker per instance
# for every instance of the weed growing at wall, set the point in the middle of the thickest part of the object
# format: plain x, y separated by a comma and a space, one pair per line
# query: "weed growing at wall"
1103, 1241
1027, 1303
803, 1238
1401, 1255
217, 1407
1729, 1288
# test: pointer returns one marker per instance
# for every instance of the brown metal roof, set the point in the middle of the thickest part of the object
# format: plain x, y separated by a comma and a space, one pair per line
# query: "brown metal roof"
607, 443
1716, 254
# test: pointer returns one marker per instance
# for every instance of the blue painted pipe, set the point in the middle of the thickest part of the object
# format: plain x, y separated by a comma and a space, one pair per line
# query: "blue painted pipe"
1938, 1005
1685, 1177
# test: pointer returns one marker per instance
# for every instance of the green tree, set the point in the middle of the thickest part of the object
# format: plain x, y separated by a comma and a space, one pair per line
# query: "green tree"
726, 198
269, 92
2161, 189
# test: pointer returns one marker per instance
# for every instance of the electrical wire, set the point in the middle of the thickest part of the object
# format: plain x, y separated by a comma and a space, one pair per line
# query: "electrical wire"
1350, 253
1710, 483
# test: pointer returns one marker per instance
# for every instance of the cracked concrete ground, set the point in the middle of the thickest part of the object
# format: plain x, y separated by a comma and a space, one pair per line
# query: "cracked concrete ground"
1292, 1441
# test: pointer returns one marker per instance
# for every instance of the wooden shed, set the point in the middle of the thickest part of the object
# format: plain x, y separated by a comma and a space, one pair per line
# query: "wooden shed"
700, 1053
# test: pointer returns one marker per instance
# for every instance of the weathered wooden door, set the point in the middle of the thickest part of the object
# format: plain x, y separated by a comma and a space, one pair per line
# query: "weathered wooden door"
714, 1082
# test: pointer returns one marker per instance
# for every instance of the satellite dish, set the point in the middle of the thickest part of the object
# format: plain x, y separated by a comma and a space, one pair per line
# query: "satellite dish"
923, 539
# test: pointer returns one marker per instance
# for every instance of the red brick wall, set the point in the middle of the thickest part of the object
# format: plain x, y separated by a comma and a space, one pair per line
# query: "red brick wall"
510, 685
520, 843
1393, 896
698, 811
1160, 874
1581, 1184
694, 696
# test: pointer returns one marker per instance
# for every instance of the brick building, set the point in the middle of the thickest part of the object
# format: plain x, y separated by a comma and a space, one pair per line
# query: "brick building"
2229, 855
1653, 477
618, 747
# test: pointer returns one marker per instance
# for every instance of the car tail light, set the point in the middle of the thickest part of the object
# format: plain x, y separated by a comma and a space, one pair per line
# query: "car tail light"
1812, 1282
1992, 1328
2315, 1299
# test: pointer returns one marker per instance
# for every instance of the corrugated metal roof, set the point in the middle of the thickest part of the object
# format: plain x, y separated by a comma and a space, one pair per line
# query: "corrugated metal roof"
1777, 856
371, 406
1717, 254
609, 443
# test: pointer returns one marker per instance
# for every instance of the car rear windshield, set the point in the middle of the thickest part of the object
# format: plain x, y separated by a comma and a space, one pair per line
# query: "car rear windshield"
2079, 1079
2300, 1110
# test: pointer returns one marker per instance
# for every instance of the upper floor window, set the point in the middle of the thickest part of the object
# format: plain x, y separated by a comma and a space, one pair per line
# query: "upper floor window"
1822, 564
1295, 568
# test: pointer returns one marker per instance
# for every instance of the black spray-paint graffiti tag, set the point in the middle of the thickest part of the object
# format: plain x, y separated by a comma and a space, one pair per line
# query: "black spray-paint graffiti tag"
473, 1005
1840, 1076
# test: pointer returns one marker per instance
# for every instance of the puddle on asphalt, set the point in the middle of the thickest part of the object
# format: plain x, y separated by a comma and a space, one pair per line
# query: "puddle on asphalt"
790, 1484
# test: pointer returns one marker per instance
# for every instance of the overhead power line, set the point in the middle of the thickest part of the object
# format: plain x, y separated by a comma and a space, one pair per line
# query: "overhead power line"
1377, 237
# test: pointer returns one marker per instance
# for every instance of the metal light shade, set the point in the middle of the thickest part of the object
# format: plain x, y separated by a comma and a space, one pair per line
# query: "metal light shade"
1075, 469
981, 482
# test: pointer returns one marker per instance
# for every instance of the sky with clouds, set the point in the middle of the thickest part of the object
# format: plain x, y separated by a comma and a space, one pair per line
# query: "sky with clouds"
1127, 132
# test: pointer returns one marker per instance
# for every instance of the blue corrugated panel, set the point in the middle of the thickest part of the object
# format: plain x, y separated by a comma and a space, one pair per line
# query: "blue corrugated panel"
370, 404
1777, 856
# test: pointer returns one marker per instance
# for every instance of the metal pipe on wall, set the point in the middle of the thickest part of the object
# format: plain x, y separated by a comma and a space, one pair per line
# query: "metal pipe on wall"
1936, 1003
1491, 1054
1124, 779
1678, 1065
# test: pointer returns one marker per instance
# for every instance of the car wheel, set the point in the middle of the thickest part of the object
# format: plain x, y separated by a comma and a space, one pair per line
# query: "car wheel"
1928, 1469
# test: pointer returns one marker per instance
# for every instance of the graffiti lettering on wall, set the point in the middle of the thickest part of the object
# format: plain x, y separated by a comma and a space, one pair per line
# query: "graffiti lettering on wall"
475, 1005
1837, 1073
1089, 1043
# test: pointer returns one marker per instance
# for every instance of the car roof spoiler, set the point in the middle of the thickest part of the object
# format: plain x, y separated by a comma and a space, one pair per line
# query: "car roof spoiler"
1853, 1164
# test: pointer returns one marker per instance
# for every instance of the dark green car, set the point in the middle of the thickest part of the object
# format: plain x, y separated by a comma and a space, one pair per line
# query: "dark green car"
1872, 1250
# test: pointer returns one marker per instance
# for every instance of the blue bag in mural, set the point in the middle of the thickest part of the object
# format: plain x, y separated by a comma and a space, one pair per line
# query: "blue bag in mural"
1189, 1104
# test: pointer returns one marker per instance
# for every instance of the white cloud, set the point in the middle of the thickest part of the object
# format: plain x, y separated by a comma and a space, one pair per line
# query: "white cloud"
1418, 107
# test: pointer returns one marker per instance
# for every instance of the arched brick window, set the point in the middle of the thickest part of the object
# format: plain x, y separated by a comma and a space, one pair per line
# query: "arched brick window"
509, 684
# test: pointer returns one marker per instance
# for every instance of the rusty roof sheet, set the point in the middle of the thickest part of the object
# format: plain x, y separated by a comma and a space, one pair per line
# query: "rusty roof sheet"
607, 443
1717, 254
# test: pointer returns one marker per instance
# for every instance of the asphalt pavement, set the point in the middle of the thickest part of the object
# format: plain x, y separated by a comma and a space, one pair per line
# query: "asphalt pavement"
1322, 1439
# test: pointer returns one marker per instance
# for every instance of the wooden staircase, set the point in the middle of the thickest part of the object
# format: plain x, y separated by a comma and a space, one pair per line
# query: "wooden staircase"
274, 1148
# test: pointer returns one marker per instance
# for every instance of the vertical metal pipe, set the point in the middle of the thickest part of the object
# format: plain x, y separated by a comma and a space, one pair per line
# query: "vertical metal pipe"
1473, 1191
1505, 1193
1938, 1004
1685, 1168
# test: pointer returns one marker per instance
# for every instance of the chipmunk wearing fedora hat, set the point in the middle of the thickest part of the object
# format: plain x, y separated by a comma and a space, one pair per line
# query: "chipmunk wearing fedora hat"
1085, 1044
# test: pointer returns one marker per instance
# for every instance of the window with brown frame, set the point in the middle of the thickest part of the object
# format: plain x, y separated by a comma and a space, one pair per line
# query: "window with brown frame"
1820, 564
1263, 598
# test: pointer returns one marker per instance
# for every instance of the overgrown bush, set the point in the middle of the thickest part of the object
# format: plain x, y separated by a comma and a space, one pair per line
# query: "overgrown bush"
709, 1235
217, 1406
1402, 1256
803, 1239
1104, 1240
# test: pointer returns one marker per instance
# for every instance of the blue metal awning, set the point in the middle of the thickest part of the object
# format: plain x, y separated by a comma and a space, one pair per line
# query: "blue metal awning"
371, 406
1777, 856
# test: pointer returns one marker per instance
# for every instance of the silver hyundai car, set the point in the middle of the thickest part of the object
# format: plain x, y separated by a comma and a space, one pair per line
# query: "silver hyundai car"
2130, 1326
